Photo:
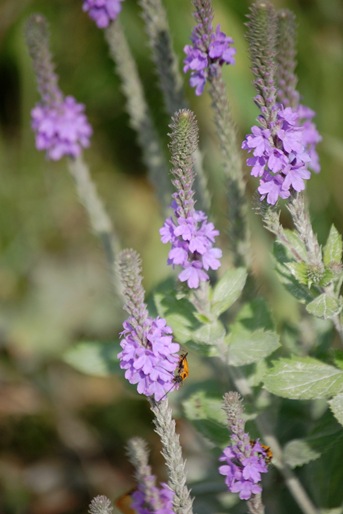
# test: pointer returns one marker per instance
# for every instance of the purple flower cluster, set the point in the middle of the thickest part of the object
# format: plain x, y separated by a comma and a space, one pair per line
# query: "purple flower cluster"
102, 11
282, 155
61, 128
205, 54
149, 356
243, 465
191, 239
160, 502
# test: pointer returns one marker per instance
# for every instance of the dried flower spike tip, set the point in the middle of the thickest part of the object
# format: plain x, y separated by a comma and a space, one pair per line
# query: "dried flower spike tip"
188, 231
149, 354
209, 48
243, 460
59, 122
103, 12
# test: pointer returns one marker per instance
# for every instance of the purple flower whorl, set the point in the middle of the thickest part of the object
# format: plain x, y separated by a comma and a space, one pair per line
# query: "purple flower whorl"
61, 129
244, 460
243, 466
161, 503
209, 49
188, 231
191, 239
149, 354
103, 12
60, 125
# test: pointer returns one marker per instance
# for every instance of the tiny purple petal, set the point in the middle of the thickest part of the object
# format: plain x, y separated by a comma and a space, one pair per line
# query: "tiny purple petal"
103, 12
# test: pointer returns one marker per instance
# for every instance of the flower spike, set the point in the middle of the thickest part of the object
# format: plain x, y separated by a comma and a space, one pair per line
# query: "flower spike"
209, 48
244, 460
282, 147
59, 122
149, 354
188, 230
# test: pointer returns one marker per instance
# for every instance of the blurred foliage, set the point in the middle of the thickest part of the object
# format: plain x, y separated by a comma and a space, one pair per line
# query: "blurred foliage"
63, 433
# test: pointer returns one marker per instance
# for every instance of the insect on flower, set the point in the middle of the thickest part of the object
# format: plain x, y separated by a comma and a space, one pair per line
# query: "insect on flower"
181, 373
268, 453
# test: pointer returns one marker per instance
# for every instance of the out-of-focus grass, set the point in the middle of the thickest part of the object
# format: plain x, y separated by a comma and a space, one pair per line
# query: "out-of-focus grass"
63, 433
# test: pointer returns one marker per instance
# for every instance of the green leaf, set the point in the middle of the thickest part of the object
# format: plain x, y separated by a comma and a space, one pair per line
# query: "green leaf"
303, 378
94, 358
246, 347
299, 452
299, 270
296, 243
210, 334
228, 290
324, 436
178, 312
332, 253
336, 406
254, 315
325, 306
282, 260
207, 415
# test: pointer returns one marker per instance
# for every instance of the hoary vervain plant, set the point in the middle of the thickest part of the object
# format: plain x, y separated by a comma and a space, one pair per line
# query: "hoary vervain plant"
202, 311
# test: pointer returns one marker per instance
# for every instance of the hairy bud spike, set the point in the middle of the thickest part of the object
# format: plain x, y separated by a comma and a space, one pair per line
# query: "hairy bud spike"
37, 39
100, 505
262, 44
286, 59
130, 275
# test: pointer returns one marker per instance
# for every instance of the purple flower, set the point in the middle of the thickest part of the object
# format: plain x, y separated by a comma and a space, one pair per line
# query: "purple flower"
283, 148
209, 50
243, 465
160, 500
61, 128
59, 122
191, 239
149, 356
282, 154
102, 11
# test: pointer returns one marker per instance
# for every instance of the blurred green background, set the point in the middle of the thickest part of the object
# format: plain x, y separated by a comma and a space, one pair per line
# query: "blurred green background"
62, 434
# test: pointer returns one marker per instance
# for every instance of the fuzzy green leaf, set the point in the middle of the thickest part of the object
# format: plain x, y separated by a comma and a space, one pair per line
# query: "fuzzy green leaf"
332, 253
299, 452
336, 406
296, 243
94, 358
324, 436
303, 378
282, 260
210, 333
178, 312
228, 290
255, 315
325, 306
207, 415
246, 347
299, 271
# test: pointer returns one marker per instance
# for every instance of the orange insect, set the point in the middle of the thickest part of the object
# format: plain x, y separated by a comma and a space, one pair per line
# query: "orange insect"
182, 371
123, 503
268, 455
